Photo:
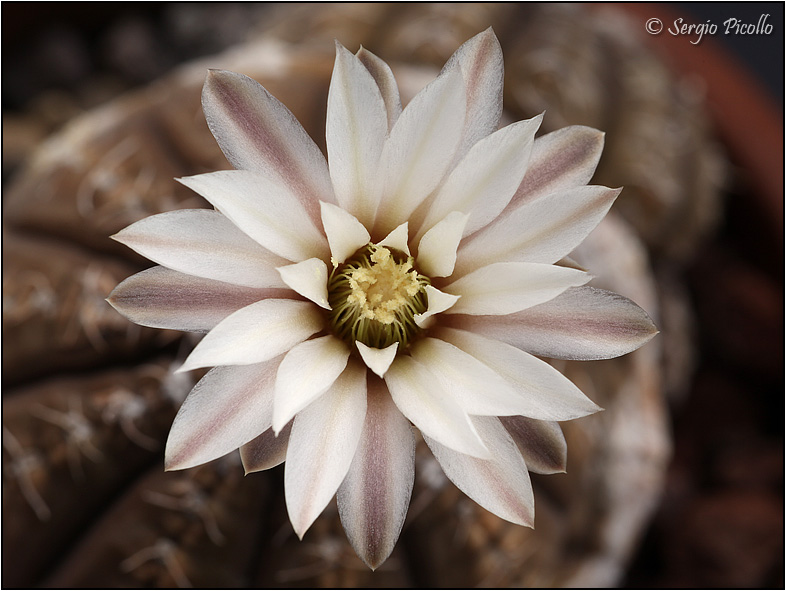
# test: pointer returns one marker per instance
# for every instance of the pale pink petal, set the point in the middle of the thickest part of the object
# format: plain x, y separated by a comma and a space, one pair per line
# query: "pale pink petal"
377, 360
256, 333
420, 149
482, 69
583, 323
263, 209
162, 298
265, 451
547, 394
356, 130
374, 497
437, 248
344, 232
501, 483
485, 180
227, 408
438, 301
204, 243
421, 398
307, 371
543, 230
383, 76
309, 279
257, 132
398, 239
504, 288
321, 447
541, 443
560, 160
477, 388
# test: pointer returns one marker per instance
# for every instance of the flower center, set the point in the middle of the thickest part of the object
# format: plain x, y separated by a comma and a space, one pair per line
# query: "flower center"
375, 296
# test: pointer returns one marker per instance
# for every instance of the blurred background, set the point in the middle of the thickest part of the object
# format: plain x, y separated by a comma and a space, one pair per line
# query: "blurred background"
678, 484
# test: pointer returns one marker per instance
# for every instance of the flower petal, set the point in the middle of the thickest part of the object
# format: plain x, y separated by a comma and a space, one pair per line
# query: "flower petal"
257, 132
307, 371
504, 288
256, 333
265, 451
437, 248
321, 447
420, 149
375, 495
345, 233
383, 76
309, 279
484, 182
541, 443
227, 408
204, 243
423, 400
547, 393
356, 129
398, 239
377, 360
438, 301
582, 323
264, 209
500, 484
162, 298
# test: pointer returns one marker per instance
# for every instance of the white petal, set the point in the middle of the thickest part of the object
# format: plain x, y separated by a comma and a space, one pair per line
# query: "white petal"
383, 76
504, 288
374, 497
264, 209
500, 484
398, 239
256, 333
548, 394
357, 126
162, 298
438, 301
421, 398
583, 323
307, 371
257, 132
344, 232
309, 279
377, 360
475, 386
541, 443
437, 248
265, 451
227, 408
204, 243
540, 231
420, 149
486, 179
321, 447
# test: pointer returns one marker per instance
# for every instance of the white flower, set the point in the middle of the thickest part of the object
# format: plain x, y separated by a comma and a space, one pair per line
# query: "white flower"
412, 281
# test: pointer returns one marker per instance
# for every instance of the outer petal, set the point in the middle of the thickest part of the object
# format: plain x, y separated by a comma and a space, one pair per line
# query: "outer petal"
345, 233
500, 484
423, 400
264, 209
437, 248
204, 243
541, 443
265, 451
256, 333
420, 149
549, 395
374, 497
309, 279
321, 447
582, 323
227, 408
307, 371
543, 230
504, 288
162, 298
485, 180
383, 76
257, 132
357, 126
377, 360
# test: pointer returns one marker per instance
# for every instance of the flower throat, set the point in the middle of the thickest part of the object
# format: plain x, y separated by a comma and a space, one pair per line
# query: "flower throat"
375, 296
